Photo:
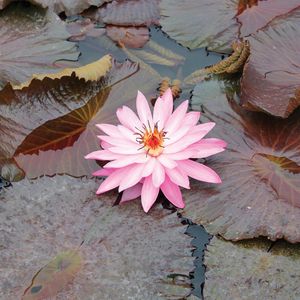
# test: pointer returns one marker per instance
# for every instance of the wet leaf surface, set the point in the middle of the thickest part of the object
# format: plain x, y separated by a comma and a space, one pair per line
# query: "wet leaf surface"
190, 23
31, 42
260, 171
247, 270
53, 277
27, 113
73, 135
271, 78
42, 218
130, 13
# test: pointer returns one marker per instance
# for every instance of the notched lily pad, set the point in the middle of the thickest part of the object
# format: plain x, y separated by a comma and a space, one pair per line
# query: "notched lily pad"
217, 23
125, 252
31, 41
247, 270
271, 78
260, 171
27, 115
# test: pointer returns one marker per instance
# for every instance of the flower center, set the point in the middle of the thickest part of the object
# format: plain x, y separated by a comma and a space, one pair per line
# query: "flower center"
152, 140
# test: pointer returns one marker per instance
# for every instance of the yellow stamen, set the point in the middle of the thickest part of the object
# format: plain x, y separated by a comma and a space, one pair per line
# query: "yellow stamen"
152, 140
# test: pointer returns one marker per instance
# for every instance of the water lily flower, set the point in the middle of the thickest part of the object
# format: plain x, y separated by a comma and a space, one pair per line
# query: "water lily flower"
152, 152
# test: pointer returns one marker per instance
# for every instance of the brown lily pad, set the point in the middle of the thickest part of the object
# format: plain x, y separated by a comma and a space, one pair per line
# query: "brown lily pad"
190, 22
31, 42
251, 270
68, 102
77, 134
260, 171
125, 252
271, 78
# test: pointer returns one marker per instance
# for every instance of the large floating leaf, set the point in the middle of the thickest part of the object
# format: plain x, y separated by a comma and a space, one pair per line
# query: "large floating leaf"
53, 277
125, 252
59, 146
271, 79
216, 23
31, 42
26, 114
249, 270
260, 193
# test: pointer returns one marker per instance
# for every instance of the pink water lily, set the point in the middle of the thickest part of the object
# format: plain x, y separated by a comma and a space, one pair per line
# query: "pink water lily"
151, 152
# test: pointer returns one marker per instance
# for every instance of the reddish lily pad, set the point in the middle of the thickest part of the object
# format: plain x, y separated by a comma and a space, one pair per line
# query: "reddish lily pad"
125, 252
27, 115
77, 131
31, 42
257, 270
271, 78
190, 21
260, 172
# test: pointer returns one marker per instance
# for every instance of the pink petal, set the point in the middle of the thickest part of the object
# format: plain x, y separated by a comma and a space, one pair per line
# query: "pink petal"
175, 120
191, 118
118, 141
149, 193
105, 145
163, 109
193, 136
149, 167
113, 180
126, 160
175, 136
103, 172
102, 155
132, 177
127, 133
166, 161
207, 147
183, 154
132, 193
143, 110
198, 171
172, 192
178, 177
127, 150
158, 175
128, 118
109, 129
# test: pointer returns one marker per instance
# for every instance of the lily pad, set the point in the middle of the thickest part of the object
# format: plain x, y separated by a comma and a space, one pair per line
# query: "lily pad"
76, 94
77, 131
271, 78
190, 23
31, 42
260, 171
249, 270
125, 253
